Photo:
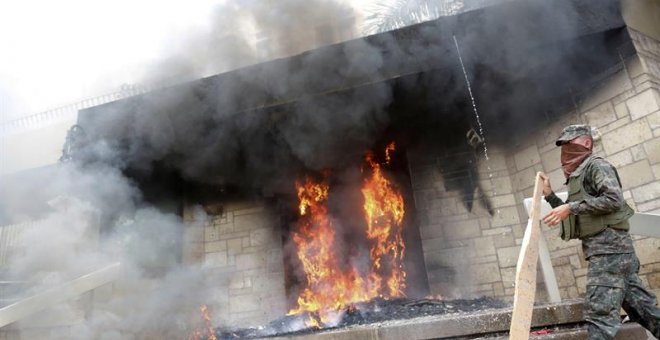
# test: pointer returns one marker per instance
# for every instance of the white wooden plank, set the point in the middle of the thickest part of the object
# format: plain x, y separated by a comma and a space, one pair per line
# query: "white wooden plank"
53, 296
645, 224
549, 277
525, 288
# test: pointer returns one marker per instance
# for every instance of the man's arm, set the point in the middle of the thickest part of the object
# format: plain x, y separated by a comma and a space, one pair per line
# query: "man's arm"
553, 200
602, 178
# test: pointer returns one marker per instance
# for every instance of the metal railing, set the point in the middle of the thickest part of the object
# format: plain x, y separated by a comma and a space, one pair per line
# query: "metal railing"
69, 111
11, 240
11, 245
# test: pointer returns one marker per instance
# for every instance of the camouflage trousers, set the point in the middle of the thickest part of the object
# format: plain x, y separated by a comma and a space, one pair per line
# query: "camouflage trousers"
612, 283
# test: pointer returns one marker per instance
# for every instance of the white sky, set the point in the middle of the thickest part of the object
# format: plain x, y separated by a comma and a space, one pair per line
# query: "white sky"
56, 52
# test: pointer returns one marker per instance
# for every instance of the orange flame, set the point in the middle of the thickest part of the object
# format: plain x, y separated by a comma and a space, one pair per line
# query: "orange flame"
208, 328
384, 210
331, 285
328, 288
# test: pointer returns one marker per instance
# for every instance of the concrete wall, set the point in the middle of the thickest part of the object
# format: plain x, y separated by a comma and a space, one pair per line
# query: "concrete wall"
464, 250
471, 253
240, 249
467, 252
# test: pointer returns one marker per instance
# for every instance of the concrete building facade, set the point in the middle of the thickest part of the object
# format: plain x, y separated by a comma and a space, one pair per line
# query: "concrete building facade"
471, 253
470, 244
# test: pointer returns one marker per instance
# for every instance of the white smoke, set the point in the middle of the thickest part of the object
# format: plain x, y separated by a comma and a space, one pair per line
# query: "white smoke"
154, 294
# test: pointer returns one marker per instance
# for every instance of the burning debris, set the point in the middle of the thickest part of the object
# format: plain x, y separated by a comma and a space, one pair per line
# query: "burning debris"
333, 280
207, 333
373, 311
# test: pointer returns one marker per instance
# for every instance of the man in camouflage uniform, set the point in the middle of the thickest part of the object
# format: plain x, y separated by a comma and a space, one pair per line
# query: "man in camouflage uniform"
596, 213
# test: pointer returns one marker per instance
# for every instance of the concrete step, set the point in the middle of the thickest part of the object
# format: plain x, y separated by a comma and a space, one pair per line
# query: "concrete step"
565, 319
629, 331
452, 326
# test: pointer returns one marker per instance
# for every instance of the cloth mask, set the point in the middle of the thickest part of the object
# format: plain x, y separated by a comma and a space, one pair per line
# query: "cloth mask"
572, 155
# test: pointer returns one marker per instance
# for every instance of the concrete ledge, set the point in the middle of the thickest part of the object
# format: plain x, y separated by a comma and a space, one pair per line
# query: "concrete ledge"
629, 331
454, 325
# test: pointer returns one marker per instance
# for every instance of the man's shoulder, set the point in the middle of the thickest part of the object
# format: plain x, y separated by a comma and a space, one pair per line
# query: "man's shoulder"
598, 162
602, 168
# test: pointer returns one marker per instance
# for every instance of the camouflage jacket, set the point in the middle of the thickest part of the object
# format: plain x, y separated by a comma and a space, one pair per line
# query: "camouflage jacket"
600, 181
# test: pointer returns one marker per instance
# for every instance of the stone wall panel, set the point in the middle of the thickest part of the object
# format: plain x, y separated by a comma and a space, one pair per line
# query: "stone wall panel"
647, 192
601, 115
652, 148
643, 103
527, 157
635, 174
627, 136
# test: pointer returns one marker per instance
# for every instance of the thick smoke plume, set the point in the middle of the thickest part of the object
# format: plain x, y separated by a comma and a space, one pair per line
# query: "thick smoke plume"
66, 240
261, 126
243, 32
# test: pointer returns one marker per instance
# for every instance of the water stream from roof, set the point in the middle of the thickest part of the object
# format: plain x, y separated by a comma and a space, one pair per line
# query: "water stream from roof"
476, 114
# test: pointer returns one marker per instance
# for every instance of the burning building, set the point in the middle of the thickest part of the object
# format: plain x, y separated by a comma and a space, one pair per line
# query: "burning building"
389, 166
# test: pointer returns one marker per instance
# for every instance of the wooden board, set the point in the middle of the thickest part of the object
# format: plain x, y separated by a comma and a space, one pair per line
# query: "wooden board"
525, 289
54, 296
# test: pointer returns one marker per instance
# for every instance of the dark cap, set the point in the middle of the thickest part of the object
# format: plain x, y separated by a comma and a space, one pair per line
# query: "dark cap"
573, 131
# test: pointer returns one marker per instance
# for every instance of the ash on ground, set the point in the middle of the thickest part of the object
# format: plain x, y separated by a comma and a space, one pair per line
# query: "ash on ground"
374, 311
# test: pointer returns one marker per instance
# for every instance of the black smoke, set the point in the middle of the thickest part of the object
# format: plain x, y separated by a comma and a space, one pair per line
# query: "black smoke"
324, 108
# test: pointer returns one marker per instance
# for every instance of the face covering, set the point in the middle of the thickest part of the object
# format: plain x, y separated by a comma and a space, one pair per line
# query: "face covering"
572, 155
